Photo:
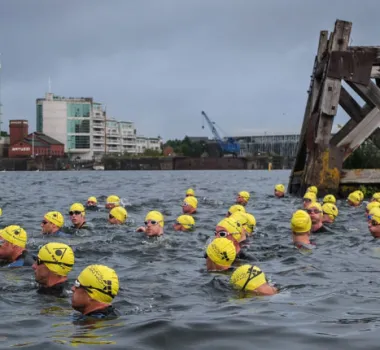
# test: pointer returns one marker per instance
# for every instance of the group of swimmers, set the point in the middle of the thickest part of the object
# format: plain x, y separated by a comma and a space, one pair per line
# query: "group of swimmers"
97, 285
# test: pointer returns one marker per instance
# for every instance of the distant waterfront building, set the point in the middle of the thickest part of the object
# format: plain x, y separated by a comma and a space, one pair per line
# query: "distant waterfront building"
84, 128
280, 144
144, 143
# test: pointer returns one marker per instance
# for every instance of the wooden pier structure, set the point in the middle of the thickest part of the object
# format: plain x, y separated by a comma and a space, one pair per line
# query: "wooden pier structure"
320, 154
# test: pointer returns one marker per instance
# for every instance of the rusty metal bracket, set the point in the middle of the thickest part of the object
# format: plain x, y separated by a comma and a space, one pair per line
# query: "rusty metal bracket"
351, 66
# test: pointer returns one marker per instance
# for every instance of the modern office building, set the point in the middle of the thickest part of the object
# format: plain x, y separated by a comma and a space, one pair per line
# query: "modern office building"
86, 131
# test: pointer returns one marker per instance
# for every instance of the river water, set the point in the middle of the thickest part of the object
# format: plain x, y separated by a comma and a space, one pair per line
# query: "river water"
329, 299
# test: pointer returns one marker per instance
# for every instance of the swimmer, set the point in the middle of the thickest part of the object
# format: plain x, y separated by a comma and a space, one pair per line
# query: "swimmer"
312, 189
300, 225
189, 205
52, 223
330, 212
52, 265
361, 195
234, 208
329, 198
243, 198
12, 247
251, 224
242, 219
184, 223
309, 198
279, 191
77, 216
315, 211
220, 254
353, 199
92, 203
249, 278
94, 290
370, 206
117, 216
374, 222
376, 197
112, 201
154, 224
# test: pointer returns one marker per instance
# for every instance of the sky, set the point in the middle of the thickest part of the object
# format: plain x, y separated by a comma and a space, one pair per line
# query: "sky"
159, 63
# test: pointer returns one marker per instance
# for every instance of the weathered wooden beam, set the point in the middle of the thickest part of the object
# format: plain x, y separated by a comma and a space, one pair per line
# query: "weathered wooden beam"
375, 72
320, 170
343, 132
361, 132
370, 49
360, 176
313, 97
369, 93
351, 107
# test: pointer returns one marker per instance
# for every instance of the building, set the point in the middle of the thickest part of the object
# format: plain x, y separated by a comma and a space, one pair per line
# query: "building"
85, 130
276, 144
36, 144
145, 143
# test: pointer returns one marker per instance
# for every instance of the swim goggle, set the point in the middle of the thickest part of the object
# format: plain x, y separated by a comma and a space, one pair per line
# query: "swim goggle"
153, 222
251, 275
40, 262
315, 211
375, 223
77, 284
75, 212
221, 233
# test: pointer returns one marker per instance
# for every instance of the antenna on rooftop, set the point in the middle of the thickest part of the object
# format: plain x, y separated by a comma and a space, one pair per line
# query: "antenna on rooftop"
49, 84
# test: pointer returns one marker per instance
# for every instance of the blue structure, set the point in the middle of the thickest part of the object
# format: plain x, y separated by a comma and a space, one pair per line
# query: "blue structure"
229, 146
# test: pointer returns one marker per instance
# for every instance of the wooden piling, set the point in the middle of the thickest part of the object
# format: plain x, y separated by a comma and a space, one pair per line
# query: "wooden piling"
320, 154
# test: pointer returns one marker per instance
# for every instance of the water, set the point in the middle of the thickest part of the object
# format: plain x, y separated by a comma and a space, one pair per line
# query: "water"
328, 299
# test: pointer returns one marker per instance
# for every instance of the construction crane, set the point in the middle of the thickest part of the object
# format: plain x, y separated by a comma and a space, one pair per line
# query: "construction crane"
226, 147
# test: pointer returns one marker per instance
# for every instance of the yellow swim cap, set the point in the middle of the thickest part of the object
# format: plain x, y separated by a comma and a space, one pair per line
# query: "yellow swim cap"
361, 194
77, 207
1, 211
190, 192
312, 189
372, 205
248, 277
101, 283
15, 235
311, 196
113, 199
376, 196
92, 199
331, 210
251, 222
221, 251
300, 222
55, 217
232, 226
329, 198
315, 205
191, 201
236, 207
58, 258
187, 221
375, 214
279, 188
245, 195
119, 213
354, 197
240, 217
156, 216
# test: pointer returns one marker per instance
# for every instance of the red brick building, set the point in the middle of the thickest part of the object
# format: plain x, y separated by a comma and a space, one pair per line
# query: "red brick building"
36, 144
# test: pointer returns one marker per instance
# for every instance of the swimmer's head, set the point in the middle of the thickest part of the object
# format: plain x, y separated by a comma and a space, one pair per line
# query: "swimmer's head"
112, 201
190, 192
221, 253
234, 208
312, 189
184, 223
300, 222
243, 198
117, 215
329, 198
248, 278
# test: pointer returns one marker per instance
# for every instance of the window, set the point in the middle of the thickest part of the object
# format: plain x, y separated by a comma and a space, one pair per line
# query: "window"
78, 110
78, 126
78, 142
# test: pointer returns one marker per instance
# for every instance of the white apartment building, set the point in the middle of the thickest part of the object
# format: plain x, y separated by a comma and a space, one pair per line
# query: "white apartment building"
87, 133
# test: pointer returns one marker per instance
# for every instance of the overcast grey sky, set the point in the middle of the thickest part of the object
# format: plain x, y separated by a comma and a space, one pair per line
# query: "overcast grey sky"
159, 63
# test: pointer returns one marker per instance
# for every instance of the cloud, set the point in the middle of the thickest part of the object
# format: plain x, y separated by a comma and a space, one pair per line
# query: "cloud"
160, 63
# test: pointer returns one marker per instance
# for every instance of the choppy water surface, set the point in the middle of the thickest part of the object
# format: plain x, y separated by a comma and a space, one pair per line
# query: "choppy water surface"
328, 299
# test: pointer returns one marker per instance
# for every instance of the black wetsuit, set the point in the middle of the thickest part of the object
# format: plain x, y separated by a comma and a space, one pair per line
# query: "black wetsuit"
323, 229
108, 312
58, 290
